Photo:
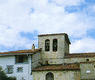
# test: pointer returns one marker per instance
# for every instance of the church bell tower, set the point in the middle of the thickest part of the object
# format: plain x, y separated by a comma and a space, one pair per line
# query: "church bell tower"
54, 48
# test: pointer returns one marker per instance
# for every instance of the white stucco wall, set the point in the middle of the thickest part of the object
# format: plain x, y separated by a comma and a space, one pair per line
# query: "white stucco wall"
10, 60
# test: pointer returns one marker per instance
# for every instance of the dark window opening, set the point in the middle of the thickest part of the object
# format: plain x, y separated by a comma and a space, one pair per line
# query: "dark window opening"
20, 69
9, 69
47, 45
46, 62
87, 59
22, 59
49, 76
55, 45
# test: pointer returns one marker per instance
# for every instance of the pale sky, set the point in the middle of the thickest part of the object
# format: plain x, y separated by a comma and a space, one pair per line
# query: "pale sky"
22, 20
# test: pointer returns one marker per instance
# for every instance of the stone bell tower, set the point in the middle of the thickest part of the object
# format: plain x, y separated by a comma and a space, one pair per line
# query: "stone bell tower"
54, 48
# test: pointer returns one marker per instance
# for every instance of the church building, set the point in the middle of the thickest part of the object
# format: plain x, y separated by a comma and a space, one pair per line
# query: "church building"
51, 61
56, 63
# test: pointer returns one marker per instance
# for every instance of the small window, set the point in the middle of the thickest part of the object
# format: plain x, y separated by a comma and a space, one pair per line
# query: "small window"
87, 60
9, 69
55, 45
49, 76
22, 59
20, 69
47, 45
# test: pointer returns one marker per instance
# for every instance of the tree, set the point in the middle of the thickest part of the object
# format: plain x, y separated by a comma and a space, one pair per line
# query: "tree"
3, 76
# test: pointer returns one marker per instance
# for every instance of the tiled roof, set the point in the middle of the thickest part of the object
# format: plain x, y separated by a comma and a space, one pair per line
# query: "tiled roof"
89, 62
58, 67
30, 51
79, 55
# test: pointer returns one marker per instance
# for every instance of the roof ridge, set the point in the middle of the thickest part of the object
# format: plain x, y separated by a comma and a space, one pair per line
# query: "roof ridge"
20, 51
84, 53
52, 34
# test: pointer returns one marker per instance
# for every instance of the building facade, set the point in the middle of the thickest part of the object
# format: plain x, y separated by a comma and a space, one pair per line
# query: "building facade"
57, 63
18, 63
51, 61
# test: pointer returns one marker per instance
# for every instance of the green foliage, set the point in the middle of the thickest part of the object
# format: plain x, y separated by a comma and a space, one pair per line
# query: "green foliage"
3, 76
11, 78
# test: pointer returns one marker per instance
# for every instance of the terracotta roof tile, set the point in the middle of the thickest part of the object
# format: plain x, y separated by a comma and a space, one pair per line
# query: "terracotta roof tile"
79, 55
20, 52
58, 67
89, 62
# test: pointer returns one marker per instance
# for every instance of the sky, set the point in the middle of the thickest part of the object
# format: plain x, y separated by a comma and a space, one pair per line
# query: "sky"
21, 21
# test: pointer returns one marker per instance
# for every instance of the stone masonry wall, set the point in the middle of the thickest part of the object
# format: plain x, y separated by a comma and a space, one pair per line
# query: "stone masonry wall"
87, 71
51, 56
58, 75
78, 60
